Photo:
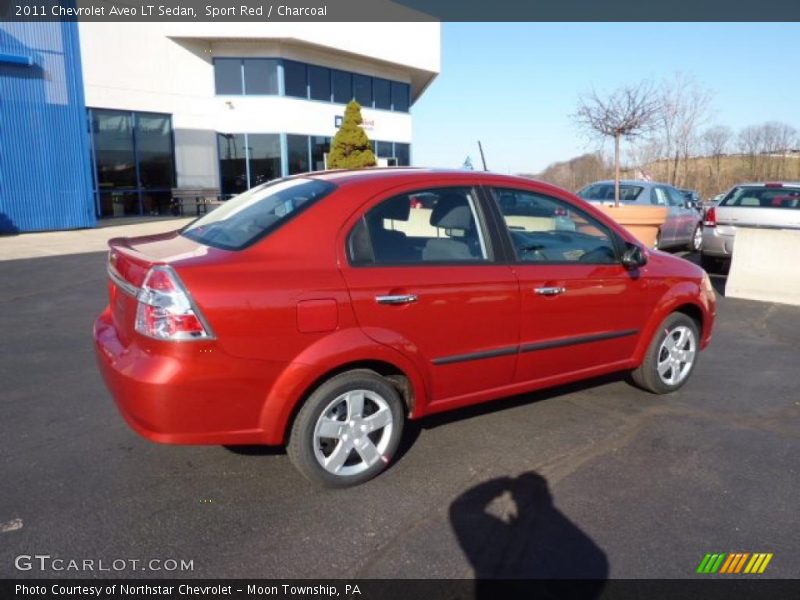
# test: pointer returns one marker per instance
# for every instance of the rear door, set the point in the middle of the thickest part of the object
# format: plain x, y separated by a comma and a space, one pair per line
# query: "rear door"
580, 308
686, 217
660, 196
423, 279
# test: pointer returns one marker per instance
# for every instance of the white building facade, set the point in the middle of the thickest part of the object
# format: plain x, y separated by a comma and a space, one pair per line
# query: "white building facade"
230, 105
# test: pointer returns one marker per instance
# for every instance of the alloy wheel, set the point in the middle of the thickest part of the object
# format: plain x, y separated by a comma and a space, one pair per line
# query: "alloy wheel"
676, 355
353, 432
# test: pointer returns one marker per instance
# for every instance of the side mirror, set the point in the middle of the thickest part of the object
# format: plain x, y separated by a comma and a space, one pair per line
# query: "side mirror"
633, 257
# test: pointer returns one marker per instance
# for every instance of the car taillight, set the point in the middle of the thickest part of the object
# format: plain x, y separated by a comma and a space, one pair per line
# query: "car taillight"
710, 220
165, 310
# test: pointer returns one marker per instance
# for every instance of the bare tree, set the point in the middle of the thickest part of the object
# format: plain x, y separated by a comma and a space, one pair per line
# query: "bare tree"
627, 112
684, 109
715, 143
751, 143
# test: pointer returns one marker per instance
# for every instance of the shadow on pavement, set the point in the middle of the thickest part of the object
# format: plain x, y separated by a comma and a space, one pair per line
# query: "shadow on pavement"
501, 404
718, 278
509, 528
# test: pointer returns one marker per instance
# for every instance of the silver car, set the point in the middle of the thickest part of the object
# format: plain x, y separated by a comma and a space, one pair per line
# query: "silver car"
683, 226
771, 205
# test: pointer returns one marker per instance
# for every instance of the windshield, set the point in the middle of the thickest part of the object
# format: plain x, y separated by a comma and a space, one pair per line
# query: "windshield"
248, 217
763, 197
605, 191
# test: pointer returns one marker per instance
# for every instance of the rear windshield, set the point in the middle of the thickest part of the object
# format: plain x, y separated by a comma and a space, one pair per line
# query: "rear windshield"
250, 216
762, 196
605, 191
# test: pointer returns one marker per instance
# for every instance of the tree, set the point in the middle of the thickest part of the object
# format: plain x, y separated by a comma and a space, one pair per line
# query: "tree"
751, 144
627, 112
350, 148
684, 107
715, 143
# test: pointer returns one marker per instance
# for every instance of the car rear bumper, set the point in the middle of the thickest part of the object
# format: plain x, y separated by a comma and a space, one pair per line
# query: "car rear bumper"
717, 244
194, 393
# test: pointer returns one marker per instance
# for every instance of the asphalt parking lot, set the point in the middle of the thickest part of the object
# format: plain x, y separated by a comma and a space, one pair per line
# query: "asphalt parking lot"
596, 480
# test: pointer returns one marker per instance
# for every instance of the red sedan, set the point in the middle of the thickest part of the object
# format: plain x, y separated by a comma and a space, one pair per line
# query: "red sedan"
322, 311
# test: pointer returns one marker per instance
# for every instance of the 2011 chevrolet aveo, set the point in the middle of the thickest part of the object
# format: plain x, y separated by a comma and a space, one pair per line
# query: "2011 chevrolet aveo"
322, 311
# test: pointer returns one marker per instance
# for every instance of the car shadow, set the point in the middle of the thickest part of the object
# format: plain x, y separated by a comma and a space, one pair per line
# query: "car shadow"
413, 429
256, 450
510, 529
476, 410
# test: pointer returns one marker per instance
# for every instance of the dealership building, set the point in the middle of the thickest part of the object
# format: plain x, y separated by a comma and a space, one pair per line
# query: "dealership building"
107, 119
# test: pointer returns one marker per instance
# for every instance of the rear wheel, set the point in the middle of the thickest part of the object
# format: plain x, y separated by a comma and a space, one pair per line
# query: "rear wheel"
696, 243
348, 429
670, 357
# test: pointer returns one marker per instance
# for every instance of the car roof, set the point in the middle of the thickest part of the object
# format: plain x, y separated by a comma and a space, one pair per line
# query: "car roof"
627, 182
769, 184
402, 175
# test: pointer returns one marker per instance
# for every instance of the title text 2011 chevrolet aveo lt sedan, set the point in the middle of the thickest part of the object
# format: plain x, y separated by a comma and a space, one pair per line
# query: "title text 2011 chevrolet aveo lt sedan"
322, 311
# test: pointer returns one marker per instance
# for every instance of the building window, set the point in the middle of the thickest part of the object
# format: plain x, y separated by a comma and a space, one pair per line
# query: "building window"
297, 147
400, 99
402, 153
362, 90
342, 83
384, 149
154, 150
320, 146
382, 93
264, 152
294, 79
114, 153
134, 162
319, 83
232, 163
228, 75
248, 160
260, 76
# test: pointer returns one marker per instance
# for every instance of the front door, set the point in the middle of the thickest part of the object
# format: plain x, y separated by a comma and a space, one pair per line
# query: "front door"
423, 280
580, 308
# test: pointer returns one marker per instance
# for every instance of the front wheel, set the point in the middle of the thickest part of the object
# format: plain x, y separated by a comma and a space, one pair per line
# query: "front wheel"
670, 357
347, 430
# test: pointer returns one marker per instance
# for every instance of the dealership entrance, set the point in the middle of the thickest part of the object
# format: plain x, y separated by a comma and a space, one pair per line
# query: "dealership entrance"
133, 154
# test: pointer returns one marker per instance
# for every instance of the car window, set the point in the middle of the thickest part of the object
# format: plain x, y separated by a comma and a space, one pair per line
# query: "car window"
605, 191
250, 216
659, 196
674, 197
547, 230
425, 226
763, 197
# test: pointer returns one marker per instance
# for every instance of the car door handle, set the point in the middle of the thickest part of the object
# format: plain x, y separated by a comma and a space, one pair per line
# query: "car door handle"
549, 291
396, 299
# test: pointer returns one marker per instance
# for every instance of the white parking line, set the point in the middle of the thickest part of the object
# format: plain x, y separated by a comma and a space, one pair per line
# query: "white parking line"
11, 525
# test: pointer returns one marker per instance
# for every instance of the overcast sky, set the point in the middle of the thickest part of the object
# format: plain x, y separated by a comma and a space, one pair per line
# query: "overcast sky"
514, 85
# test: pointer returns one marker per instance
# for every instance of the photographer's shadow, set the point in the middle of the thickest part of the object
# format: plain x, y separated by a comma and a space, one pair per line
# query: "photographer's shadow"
510, 529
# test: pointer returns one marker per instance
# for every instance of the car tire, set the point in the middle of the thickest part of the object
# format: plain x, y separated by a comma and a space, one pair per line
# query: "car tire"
696, 242
338, 439
671, 356
657, 243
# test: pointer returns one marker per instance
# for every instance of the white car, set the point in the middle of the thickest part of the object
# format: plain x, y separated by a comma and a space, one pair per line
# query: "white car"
763, 205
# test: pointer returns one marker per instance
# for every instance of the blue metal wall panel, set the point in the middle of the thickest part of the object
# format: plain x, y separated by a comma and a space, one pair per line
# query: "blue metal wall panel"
45, 171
